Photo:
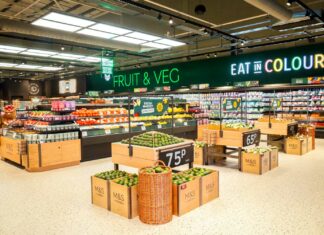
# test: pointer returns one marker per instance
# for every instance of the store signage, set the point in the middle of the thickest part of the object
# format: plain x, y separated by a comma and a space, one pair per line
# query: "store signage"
107, 68
162, 88
161, 77
149, 107
231, 104
251, 138
177, 157
278, 65
268, 67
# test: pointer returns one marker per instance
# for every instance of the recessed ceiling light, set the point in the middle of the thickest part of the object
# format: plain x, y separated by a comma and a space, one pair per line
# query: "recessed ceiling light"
34, 54
8, 65
27, 66
156, 45
129, 40
67, 56
55, 25
42, 52
170, 42
96, 33
12, 48
49, 68
143, 36
110, 29
90, 59
53, 16
9, 51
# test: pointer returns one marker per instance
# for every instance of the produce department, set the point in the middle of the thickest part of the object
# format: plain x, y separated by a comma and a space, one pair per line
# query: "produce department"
164, 117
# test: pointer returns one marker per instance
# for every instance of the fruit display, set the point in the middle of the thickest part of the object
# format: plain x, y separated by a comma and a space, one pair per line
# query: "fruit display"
199, 144
44, 127
238, 125
63, 105
275, 120
100, 112
50, 116
258, 149
163, 117
92, 121
156, 170
153, 140
176, 110
111, 175
9, 108
197, 171
129, 180
181, 178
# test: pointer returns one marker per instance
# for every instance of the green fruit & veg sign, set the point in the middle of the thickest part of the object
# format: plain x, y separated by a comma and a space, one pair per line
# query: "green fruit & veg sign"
150, 107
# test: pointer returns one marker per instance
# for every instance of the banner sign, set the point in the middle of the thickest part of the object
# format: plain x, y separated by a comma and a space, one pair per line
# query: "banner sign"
276, 103
150, 107
268, 67
232, 104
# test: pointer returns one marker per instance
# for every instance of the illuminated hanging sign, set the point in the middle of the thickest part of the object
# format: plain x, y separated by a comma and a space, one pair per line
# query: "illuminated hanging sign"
278, 65
161, 77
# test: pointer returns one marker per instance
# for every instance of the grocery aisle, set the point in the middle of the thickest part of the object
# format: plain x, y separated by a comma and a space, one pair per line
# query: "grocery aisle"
287, 200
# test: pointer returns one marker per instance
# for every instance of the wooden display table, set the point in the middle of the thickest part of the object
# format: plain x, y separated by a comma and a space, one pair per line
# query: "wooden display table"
233, 140
41, 157
286, 128
172, 155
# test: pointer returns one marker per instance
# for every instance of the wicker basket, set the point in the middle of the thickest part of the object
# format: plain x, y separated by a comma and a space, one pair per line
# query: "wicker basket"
155, 196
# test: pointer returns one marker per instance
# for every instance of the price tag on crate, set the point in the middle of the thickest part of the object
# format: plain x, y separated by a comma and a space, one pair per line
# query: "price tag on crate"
126, 129
251, 138
159, 126
185, 123
84, 134
178, 156
143, 128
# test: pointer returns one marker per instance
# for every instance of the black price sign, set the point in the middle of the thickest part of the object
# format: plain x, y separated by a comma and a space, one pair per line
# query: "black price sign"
292, 129
177, 157
251, 138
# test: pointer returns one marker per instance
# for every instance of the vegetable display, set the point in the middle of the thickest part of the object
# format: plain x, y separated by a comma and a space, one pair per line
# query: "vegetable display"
197, 171
259, 149
153, 139
238, 125
156, 170
181, 178
128, 180
110, 175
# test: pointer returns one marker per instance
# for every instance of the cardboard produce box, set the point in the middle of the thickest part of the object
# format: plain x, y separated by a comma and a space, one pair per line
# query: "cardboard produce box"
274, 161
208, 183
185, 196
100, 187
123, 199
296, 146
255, 163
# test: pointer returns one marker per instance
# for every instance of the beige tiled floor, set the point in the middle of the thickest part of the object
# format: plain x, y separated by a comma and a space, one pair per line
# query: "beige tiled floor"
287, 200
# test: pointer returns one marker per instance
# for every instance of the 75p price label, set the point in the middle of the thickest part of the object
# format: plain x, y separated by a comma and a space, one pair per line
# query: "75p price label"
177, 157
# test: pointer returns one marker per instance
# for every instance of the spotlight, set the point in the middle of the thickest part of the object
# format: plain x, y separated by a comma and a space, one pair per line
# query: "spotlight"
62, 48
159, 17
215, 55
171, 21
289, 2
242, 43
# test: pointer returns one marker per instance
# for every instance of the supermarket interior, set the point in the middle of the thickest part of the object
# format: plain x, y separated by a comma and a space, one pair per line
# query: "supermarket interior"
161, 117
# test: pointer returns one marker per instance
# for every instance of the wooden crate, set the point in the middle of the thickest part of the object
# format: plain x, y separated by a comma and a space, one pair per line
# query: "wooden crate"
100, 190
309, 131
255, 163
142, 156
13, 149
295, 146
48, 156
231, 137
123, 200
277, 128
212, 152
274, 160
209, 187
200, 131
185, 197
199, 155
309, 142
277, 141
